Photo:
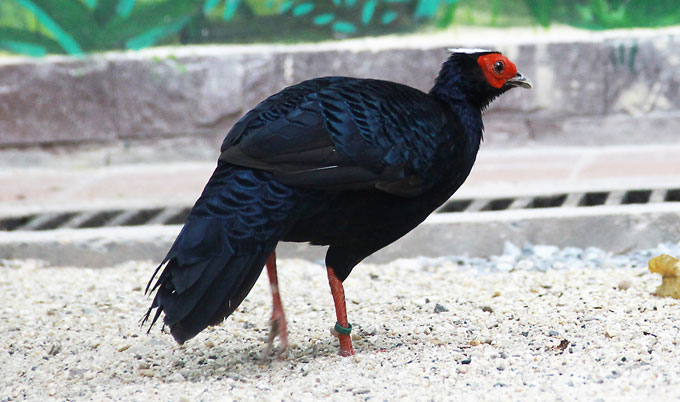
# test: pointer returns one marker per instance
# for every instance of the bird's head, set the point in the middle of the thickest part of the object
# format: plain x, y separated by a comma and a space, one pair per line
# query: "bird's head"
477, 76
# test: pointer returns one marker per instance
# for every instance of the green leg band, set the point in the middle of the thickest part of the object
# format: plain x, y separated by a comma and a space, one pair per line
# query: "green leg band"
342, 330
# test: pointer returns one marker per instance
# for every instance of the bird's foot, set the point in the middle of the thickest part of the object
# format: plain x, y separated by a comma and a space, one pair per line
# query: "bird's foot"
277, 327
346, 348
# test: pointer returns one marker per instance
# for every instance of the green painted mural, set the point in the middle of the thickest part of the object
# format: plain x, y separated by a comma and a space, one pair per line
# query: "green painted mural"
40, 27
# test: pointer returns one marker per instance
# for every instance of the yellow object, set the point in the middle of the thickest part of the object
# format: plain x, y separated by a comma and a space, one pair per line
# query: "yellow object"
669, 268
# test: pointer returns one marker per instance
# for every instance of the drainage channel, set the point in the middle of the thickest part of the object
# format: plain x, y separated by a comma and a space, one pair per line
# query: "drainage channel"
95, 219
177, 215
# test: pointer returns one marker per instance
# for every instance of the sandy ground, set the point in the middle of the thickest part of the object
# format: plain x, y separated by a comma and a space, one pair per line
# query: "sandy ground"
424, 330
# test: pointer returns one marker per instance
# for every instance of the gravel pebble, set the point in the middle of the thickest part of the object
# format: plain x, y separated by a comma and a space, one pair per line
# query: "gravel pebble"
553, 325
625, 284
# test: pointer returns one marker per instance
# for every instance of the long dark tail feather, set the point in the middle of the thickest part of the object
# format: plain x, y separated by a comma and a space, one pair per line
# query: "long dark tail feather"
211, 300
220, 252
195, 292
188, 241
223, 296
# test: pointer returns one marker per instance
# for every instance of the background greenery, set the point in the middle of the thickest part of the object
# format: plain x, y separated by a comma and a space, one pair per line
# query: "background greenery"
39, 27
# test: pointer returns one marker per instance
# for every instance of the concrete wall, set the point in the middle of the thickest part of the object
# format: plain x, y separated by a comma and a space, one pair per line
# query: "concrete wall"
593, 91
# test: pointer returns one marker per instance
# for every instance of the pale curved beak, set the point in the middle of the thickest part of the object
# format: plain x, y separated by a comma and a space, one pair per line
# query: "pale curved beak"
519, 81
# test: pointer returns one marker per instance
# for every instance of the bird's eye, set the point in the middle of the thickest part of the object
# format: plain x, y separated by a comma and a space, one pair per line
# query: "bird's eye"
498, 67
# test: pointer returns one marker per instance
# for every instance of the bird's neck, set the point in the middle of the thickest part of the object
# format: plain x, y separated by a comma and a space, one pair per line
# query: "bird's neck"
450, 94
465, 137
470, 117
450, 84
450, 89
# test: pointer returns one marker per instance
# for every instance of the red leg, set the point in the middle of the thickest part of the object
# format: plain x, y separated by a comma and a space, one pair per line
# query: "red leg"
278, 320
338, 293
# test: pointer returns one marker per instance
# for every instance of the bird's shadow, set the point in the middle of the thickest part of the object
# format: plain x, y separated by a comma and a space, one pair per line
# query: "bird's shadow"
247, 363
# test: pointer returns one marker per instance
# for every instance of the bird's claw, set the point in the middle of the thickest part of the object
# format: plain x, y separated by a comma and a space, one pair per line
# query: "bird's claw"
346, 348
277, 327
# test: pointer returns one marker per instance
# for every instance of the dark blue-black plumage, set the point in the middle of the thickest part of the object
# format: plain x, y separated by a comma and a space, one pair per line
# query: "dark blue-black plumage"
345, 162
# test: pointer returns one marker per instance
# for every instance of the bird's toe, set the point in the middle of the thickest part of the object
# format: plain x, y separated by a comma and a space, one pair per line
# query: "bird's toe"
277, 327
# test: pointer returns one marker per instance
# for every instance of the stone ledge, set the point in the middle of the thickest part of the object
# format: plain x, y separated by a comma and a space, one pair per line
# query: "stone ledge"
615, 229
594, 90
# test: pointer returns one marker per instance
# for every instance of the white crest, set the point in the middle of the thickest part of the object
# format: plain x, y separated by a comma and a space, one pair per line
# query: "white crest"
466, 50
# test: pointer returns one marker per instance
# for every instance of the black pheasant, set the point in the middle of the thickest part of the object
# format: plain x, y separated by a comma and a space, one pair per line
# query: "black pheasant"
350, 163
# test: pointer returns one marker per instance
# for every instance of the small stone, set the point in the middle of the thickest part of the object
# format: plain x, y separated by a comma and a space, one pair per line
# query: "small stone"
438, 308
510, 249
487, 309
54, 350
420, 302
140, 349
562, 345
177, 377
209, 344
146, 372
355, 336
505, 263
545, 252
76, 373
475, 342
466, 361
552, 332
124, 348
495, 294
625, 284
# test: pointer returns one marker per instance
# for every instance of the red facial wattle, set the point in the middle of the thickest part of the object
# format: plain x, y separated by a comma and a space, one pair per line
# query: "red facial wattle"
496, 78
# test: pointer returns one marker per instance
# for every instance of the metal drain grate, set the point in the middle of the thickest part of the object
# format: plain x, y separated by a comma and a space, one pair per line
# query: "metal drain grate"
584, 199
177, 215
96, 219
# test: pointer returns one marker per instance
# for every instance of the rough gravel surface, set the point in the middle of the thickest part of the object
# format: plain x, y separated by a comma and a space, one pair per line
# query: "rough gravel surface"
538, 323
